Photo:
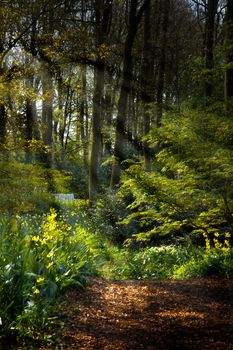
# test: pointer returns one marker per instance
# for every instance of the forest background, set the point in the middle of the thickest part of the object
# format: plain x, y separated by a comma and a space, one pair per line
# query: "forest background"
127, 105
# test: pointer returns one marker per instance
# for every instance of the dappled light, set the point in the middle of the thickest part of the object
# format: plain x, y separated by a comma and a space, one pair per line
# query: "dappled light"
116, 174
195, 314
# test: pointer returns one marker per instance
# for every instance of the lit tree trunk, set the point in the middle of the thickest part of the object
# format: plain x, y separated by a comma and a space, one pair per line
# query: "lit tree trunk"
96, 134
84, 116
63, 119
120, 138
60, 107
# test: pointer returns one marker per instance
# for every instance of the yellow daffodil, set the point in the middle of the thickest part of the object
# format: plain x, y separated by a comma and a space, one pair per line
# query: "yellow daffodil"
40, 280
36, 291
49, 265
50, 254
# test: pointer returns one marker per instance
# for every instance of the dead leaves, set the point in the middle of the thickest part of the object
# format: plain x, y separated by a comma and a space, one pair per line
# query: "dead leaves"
192, 314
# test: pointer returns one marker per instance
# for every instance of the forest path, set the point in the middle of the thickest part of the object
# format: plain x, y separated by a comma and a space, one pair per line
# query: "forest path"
128, 315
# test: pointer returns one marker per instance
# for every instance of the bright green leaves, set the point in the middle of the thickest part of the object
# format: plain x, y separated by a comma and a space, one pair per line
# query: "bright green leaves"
190, 187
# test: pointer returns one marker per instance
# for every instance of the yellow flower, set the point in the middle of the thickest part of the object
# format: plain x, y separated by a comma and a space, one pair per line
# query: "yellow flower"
40, 279
43, 241
35, 238
36, 291
50, 254
49, 265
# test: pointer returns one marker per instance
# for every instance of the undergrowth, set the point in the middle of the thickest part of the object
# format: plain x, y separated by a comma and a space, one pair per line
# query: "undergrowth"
41, 255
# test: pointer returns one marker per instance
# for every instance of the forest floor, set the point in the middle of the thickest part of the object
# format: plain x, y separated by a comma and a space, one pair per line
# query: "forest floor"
128, 315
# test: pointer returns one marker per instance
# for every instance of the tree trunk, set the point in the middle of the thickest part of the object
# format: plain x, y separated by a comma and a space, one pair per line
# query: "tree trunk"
96, 134
162, 60
3, 121
103, 13
47, 115
84, 116
3, 115
147, 85
209, 56
31, 130
229, 57
120, 137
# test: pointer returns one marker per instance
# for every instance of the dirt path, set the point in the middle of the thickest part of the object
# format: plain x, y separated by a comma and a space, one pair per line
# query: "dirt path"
192, 314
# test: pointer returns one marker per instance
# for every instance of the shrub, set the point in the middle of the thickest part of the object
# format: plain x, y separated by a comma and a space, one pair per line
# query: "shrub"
107, 215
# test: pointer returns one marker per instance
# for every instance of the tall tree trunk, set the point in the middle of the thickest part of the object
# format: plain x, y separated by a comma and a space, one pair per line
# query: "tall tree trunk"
209, 55
31, 129
147, 84
84, 115
60, 97
229, 57
47, 115
162, 60
103, 14
29, 124
108, 106
3, 114
120, 138
96, 134
63, 119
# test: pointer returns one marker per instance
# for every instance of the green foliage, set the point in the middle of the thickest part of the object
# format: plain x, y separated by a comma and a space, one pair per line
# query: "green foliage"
39, 257
164, 262
190, 187
25, 187
213, 264
109, 211
78, 176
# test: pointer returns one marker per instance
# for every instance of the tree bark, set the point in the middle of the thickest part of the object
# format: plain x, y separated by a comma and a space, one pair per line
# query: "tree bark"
162, 60
84, 116
3, 121
120, 137
209, 55
3, 114
103, 13
31, 130
147, 84
229, 57
47, 115
96, 134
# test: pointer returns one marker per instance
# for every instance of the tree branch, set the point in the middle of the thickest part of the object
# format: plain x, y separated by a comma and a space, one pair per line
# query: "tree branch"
19, 37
